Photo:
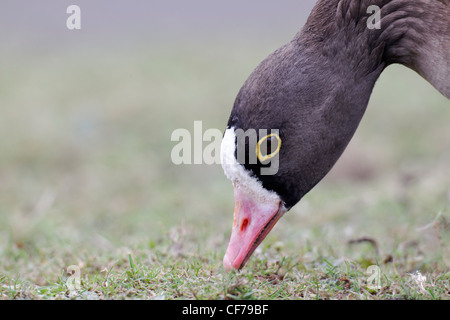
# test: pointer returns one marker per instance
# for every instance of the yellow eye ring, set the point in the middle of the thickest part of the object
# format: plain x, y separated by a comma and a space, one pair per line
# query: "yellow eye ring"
263, 158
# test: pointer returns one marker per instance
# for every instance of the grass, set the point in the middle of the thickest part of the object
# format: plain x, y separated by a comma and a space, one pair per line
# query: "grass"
86, 180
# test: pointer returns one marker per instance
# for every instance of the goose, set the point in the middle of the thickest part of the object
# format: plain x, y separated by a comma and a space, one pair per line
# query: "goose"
305, 101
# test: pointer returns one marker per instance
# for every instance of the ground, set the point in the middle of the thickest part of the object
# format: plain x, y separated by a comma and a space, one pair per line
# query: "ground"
88, 191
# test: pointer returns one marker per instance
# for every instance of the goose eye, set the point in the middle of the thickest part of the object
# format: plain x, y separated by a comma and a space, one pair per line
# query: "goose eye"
268, 147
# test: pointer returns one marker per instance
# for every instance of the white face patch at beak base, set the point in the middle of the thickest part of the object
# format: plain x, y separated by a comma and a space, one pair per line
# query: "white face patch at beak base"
236, 172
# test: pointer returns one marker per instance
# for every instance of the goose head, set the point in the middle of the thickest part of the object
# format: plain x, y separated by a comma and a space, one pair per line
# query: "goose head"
298, 110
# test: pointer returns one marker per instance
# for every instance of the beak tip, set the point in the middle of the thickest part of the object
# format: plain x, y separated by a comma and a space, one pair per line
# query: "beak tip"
227, 264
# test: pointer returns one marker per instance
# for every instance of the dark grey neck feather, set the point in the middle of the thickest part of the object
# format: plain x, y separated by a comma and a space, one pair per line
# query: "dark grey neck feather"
415, 33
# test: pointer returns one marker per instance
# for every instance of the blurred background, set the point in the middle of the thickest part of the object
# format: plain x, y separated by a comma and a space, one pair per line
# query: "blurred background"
87, 115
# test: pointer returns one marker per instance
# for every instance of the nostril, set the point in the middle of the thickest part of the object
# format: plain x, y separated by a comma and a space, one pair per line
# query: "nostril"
244, 224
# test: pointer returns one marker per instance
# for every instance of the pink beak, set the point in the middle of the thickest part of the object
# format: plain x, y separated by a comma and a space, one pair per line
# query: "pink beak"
253, 220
